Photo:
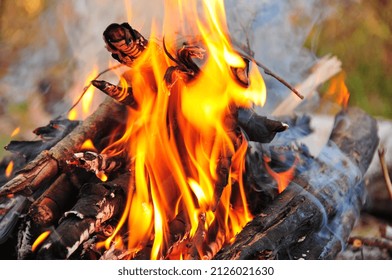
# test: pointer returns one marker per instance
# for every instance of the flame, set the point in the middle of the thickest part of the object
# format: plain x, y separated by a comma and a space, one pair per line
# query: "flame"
86, 99
102, 176
72, 114
9, 169
180, 137
337, 90
88, 145
284, 178
41, 238
15, 132
88, 96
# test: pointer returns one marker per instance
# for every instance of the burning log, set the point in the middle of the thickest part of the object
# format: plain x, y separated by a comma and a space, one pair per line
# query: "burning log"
298, 224
97, 204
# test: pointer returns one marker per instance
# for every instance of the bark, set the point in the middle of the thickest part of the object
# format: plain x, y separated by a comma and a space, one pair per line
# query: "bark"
330, 193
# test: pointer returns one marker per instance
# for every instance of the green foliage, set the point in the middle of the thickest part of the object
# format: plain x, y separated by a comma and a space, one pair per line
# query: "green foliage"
360, 34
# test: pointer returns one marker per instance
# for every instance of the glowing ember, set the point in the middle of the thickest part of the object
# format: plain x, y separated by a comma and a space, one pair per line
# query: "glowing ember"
9, 169
41, 238
102, 176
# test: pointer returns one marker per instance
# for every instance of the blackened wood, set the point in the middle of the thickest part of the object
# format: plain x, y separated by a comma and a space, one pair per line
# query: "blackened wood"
298, 215
58, 198
258, 128
97, 204
125, 43
50, 134
56, 129
46, 166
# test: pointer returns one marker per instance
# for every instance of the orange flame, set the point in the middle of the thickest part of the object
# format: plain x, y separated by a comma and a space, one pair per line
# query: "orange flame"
337, 90
86, 99
9, 169
284, 178
73, 114
88, 96
15, 132
180, 134
41, 238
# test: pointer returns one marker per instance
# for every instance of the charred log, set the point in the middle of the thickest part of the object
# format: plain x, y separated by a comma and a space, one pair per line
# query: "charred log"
97, 204
296, 221
58, 198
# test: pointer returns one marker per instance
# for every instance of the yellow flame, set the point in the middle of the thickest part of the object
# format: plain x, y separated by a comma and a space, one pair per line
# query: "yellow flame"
15, 132
102, 176
41, 238
88, 145
73, 114
88, 96
179, 135
9, 169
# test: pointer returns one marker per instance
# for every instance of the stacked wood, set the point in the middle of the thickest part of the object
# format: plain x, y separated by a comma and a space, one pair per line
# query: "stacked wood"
295, 225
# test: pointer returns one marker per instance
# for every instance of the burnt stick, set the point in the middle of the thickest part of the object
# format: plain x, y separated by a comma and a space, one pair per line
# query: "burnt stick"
122, 95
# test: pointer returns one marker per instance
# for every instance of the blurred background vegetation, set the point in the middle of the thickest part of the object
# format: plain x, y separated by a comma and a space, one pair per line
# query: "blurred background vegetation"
359, 33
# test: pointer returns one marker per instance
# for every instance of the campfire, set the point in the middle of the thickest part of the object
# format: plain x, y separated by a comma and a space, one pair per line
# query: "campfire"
179, 161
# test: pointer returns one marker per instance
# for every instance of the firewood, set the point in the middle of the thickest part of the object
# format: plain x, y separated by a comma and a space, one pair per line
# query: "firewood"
124, 42
311, 202
100, 164
50, 134
257, 128
122, 95
58, 198
97, 204
47, 165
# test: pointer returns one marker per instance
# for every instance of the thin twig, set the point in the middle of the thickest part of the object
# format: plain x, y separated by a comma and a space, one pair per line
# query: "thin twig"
280, 79
384, 167
267, 71
85, 89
